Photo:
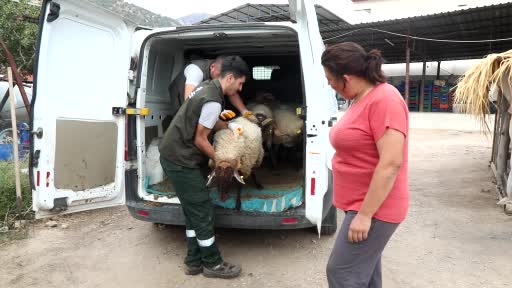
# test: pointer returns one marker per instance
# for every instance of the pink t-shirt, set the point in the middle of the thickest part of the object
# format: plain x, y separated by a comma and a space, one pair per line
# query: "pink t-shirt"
354, 138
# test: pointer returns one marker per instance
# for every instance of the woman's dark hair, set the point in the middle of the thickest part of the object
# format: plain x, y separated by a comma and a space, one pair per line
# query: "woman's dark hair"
349, 58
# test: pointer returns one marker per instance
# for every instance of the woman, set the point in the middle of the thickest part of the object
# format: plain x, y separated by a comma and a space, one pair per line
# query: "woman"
370, 164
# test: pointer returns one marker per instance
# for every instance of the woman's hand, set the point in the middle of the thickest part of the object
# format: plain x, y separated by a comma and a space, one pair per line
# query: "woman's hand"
359, 228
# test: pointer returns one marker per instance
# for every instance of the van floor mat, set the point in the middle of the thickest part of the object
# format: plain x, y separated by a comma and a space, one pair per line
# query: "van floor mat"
283, 190
163, 188
267, 200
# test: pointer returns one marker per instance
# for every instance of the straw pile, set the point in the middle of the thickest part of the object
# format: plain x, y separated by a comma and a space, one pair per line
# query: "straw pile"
472, 90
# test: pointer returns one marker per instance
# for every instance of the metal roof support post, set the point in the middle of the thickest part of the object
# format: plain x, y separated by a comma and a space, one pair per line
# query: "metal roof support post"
422, 91
438, 70
407, 70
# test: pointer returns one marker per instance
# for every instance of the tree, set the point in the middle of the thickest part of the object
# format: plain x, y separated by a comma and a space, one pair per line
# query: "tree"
19, 32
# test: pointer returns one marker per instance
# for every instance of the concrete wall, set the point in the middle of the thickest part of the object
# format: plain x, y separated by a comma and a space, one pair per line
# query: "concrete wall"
444, 121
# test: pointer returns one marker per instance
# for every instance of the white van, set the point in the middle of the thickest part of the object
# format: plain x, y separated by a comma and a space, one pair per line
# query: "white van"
88, 146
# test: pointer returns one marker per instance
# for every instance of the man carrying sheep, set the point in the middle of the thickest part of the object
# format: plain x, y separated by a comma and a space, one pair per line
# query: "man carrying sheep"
185, 148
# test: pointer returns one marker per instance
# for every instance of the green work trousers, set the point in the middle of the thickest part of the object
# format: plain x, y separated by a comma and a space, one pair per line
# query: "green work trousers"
190, 186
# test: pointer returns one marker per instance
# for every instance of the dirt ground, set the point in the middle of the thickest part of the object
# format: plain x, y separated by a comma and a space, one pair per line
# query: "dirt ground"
455, 236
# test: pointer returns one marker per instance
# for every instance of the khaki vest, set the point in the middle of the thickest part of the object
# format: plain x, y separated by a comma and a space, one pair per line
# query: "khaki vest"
178, 142
177, 86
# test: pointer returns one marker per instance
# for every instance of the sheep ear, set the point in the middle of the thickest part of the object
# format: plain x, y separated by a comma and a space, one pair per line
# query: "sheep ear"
210, 178
238, 177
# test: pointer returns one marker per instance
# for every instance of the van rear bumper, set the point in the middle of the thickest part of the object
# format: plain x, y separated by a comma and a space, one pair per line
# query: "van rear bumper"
172, 214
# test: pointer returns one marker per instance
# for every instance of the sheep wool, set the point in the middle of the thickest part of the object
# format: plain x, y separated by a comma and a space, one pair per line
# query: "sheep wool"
153, 168
246, 149
260, 109
288, 126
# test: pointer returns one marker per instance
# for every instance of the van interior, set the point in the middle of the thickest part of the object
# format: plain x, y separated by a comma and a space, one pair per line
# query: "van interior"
275, 66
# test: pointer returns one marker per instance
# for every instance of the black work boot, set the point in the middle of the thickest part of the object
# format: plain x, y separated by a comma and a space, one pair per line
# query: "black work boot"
224, 271
193, 270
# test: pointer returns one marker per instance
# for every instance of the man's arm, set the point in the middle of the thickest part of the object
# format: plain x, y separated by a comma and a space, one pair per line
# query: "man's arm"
236, 100
202, 143
194, 76
219, 125
188, 89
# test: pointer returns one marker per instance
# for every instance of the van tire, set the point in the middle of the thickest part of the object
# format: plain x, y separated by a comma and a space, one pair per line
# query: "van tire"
330, 222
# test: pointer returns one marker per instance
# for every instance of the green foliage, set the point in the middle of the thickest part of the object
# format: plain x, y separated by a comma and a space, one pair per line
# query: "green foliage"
8, 192
19, 32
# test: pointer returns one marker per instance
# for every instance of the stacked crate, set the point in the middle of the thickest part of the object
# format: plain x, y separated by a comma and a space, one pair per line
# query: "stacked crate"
444, 103
427, 96
450, 100
414, 96
401, 88
436, 98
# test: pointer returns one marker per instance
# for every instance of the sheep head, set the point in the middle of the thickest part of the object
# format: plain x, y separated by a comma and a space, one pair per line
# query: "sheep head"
224, 172
267, 129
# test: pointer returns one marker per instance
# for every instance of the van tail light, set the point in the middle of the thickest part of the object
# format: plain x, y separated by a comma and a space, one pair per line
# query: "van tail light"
313, 184
289, 221
38, 178
143, 213
47, 179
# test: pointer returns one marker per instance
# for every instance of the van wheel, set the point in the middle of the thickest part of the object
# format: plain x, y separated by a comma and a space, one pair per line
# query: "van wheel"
330, 223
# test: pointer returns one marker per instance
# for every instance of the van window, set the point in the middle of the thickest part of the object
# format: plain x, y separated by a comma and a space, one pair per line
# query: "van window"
263, 72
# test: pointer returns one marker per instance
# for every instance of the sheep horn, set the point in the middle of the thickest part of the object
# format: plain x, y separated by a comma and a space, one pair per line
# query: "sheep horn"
210, 178
238, 177
267, 122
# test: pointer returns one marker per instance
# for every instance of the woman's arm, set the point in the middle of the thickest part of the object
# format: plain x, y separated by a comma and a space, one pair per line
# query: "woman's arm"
391, 150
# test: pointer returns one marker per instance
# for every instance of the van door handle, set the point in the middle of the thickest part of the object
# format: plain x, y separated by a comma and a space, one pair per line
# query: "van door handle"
38, 133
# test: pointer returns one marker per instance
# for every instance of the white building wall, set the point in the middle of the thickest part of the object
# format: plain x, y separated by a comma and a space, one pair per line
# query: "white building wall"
378, 10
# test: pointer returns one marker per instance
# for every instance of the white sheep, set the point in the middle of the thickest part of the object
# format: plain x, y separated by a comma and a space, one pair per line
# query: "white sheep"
236, 155
288, 126
263, 113
154, 170
287, 135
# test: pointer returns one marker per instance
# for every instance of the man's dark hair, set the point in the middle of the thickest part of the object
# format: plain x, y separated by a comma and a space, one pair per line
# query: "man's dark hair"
233, 65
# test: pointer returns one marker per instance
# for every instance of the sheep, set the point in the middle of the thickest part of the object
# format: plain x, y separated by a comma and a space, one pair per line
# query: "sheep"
265, 119
288, 126
154, 170
236, 156
288, 132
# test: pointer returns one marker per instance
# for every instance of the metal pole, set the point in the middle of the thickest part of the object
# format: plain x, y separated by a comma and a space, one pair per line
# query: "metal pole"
17, 77
15, 142
422, 92
438, 69
407, 71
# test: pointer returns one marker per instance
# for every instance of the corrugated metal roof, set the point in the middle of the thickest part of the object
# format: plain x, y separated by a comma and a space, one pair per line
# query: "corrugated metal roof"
480, 23
248, 13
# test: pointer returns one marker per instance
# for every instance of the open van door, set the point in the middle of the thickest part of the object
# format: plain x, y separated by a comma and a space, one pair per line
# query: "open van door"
321, 106
77, 144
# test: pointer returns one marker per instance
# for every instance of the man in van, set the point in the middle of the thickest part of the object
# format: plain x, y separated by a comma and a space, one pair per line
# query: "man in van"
202, 70
185, 148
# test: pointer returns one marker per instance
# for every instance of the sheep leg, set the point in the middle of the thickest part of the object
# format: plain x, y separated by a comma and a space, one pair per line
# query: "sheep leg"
274, 153
239, 198
258, 184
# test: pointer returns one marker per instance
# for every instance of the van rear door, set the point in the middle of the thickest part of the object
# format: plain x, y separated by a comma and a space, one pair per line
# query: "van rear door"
321, 106
77, 144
